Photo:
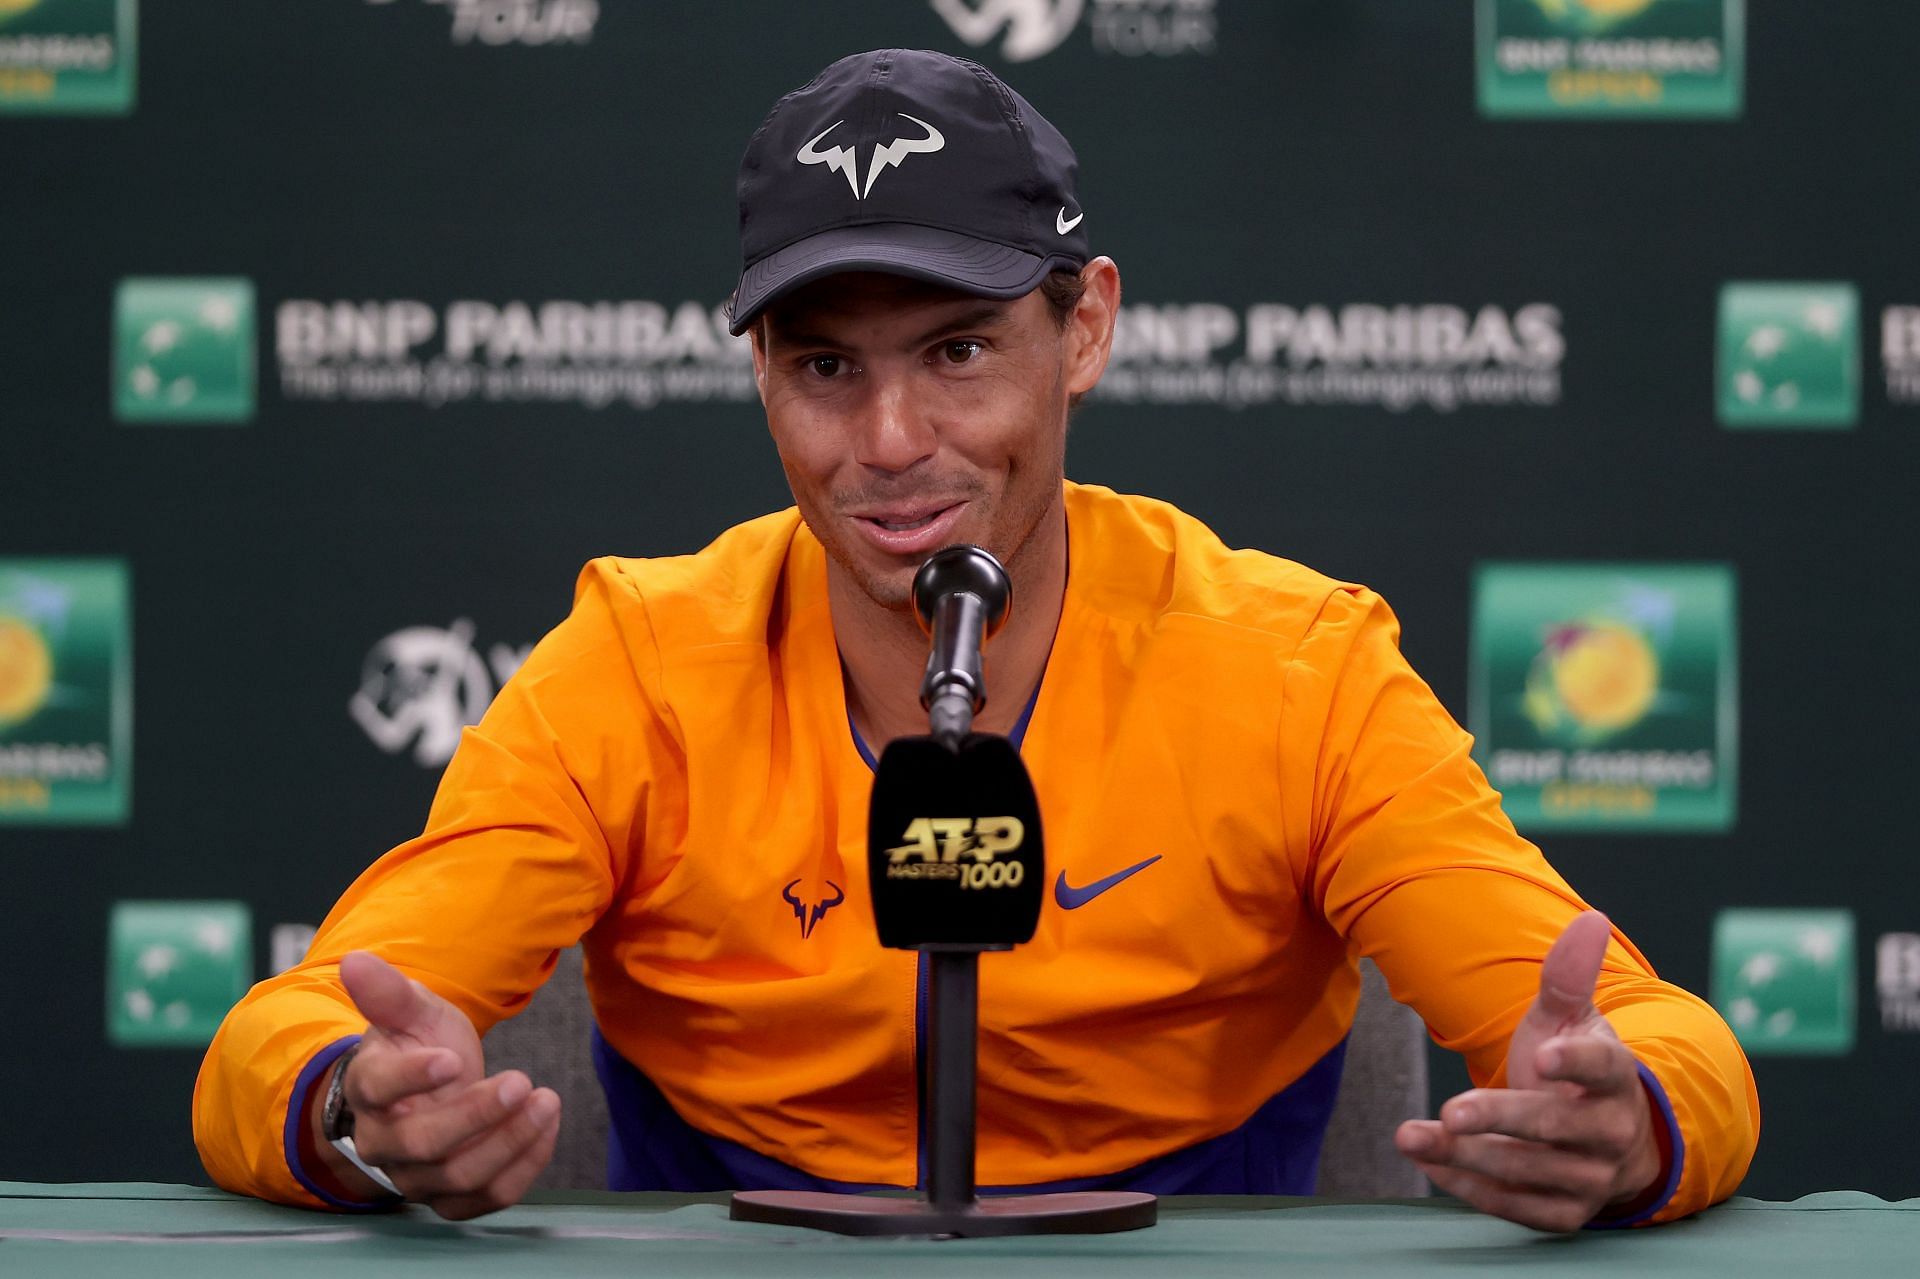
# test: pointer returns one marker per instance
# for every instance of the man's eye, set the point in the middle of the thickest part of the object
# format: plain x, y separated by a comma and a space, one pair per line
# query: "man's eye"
959, 352
826, 365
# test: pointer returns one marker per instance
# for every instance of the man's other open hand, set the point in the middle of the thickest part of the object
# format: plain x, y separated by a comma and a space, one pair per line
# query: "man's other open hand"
425, 1111
1571, 1135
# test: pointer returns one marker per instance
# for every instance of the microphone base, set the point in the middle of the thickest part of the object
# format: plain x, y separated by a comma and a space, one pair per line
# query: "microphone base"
1083, 1212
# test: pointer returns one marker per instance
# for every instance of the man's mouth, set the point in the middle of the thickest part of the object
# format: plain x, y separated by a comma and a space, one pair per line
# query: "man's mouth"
903, 524
910, 529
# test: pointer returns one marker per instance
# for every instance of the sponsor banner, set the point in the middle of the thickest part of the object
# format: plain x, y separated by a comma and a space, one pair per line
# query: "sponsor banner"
517, 22
183, 350
287, 945
420, 686
67, 57
66, 693
633, 353
1396, 356
1605, 696
1022, 30
1783, 979
174, 968
1900, 353
1639, 58
1789, 355
1896, 972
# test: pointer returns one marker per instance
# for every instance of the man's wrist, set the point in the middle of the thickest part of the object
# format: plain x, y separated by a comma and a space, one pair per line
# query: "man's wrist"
1654, 1158
330, 1168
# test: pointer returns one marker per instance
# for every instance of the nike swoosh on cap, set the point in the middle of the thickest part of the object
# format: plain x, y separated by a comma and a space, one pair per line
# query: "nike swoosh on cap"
1071, 898
1063, 224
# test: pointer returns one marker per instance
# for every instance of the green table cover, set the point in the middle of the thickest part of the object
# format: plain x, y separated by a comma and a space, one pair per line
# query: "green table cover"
141, 1230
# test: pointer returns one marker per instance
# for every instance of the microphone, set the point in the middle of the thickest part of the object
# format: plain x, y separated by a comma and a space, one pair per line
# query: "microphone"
961, 597
955, 853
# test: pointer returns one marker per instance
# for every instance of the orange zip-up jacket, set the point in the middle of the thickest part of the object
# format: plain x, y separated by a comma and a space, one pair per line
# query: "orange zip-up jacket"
1244, 786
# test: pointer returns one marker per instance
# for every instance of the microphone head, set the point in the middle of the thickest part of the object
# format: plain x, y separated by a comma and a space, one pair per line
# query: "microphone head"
962, 567
955, 853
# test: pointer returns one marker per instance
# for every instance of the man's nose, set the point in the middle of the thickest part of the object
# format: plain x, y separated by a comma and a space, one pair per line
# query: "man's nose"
895, 432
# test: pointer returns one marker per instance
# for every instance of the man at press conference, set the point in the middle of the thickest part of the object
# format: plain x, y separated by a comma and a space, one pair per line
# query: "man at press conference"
1246, 789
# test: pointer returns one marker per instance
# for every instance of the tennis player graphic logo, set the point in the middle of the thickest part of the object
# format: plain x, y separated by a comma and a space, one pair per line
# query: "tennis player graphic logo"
1603, 696
183, 351
66, 711
1784, 979
1034, 28
1789, 355
419, 687
174, 969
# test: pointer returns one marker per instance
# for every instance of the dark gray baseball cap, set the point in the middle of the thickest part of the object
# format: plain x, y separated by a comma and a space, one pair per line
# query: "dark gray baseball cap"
909, 162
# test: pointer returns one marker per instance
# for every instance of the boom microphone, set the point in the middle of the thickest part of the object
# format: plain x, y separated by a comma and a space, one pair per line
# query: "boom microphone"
961, 597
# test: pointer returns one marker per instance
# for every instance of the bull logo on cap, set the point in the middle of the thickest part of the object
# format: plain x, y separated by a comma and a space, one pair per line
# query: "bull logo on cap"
886, 155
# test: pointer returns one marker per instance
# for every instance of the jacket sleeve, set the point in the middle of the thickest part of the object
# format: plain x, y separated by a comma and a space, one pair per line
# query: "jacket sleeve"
1409, 856
535, 825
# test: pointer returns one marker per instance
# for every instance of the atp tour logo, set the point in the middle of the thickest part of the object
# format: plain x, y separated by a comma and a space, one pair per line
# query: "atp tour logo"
1127, 28
420, 686
1034, 28
1396, 356
592, 354
885, 154
524, 22
932, 848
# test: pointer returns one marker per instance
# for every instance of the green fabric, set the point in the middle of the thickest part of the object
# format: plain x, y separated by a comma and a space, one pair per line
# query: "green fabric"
163, 1231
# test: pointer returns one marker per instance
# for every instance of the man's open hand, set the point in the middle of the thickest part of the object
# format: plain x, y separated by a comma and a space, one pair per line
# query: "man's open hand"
1571, 1134
425, 1111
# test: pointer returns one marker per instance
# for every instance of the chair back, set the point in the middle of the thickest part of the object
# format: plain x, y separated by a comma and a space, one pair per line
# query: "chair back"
1385, 1081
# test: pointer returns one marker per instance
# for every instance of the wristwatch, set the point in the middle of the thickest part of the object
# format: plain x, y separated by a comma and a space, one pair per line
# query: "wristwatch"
336, 1116
336, 1124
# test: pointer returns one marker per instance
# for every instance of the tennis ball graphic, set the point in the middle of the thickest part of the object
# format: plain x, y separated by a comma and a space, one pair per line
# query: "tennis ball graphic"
10, 7
1605, 675
26, 668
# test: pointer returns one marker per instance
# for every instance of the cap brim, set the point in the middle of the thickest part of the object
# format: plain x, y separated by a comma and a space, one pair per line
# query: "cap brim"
979, 267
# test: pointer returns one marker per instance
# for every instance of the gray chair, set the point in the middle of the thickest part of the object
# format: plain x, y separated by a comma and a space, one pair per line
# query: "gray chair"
1385, 1082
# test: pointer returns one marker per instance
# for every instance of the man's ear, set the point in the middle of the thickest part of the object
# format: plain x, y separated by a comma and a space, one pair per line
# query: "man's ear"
1089, 335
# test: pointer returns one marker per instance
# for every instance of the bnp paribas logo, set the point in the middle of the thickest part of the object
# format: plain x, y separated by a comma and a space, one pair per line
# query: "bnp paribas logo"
1643, 58
66, 693
1789, 355
1605, 696
67, 57
183, 349
1783, 979
174, 969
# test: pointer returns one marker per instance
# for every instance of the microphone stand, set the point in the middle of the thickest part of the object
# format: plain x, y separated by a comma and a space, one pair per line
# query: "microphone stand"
953, 769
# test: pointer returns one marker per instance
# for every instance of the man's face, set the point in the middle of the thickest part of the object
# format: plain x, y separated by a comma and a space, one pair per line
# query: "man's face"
910, 417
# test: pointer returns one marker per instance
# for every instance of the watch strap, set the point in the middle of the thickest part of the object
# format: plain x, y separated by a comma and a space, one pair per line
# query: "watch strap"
336, 1116
345, 1146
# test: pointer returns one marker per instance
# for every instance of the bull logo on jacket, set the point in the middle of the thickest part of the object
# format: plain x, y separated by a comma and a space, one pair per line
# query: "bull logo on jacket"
810, 913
